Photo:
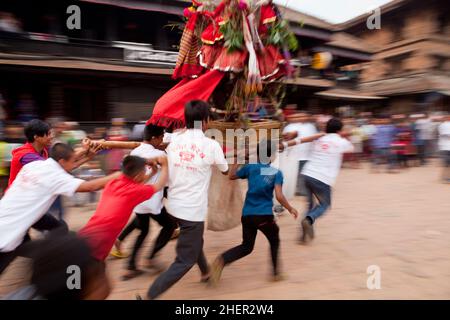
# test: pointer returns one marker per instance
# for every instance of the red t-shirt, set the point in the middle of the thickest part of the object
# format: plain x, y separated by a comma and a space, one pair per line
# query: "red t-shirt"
117, 202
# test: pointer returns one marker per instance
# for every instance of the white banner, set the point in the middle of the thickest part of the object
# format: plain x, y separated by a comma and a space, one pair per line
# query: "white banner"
151, 56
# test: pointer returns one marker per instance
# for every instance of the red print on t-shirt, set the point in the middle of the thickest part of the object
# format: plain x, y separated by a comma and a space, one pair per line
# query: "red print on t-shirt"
325, 146
186, 156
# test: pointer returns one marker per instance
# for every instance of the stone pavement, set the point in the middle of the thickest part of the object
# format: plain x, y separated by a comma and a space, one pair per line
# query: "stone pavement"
399, 222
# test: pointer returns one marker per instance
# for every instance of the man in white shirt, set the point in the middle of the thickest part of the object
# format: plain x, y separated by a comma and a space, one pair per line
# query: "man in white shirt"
191, 155
320, 173
152, 208
424, 126
32, 193
444, 146
300, 129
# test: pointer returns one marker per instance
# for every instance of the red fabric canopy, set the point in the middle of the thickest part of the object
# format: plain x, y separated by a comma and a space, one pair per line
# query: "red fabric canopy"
169, 109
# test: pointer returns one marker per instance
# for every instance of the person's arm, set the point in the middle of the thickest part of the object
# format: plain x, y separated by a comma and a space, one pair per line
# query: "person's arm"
283, 201
153, 172
86, 152
348, 147
232, 172
164, 173
238, 173
291, 143
97, 184
219, 159
163, 146
287, 136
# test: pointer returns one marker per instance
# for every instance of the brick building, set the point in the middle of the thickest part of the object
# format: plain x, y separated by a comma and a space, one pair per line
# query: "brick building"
411, 62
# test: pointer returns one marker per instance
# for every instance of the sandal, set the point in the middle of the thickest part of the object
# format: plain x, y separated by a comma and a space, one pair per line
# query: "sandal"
118, 254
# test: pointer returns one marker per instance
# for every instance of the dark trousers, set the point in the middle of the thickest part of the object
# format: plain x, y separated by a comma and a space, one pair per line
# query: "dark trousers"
142, 222
46, 223
189, 252
50, 223
381, 155
320, 191
421, 152
446, 163
250, 226
7, 257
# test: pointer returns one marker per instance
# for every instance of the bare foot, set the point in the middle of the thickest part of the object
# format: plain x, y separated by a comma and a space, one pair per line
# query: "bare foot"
205, 277
118, 245
278, 277
216, 271
130, 274
175, 234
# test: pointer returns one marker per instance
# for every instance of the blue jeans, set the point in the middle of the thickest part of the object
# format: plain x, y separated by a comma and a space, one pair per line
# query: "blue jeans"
301, 188
446, 160
322, 192
57, 208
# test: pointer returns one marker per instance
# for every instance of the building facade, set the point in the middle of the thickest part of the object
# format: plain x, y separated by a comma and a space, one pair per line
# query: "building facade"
121, 59
411, 61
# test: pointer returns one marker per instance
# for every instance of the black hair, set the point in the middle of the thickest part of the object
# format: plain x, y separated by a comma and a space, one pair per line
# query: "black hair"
36, 127
196, 110
52, 261
264, 150
151, 131
132, 165
334, 125
61, 151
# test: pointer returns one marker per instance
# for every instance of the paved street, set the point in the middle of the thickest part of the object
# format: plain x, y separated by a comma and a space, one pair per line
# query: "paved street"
399, 222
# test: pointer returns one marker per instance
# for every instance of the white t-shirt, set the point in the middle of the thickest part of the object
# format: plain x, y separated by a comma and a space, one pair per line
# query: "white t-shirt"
326, 158
30, 196
444, 136
191, 155
154, 204
301, 151
167, 137
425, 127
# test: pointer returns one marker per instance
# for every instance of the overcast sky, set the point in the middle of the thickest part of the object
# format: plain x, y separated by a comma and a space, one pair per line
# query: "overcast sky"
334, 11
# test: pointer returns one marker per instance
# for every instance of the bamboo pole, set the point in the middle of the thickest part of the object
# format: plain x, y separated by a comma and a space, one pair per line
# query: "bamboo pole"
118, 144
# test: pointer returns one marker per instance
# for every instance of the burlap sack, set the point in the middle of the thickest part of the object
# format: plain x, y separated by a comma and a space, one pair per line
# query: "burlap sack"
225, 202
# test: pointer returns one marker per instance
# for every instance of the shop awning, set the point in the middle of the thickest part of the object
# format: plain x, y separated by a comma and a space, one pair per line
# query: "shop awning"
140, 5
86, 65
309, 82
348, 94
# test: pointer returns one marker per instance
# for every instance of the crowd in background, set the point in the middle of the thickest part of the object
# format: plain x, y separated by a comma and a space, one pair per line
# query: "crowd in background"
69, 132
390, 142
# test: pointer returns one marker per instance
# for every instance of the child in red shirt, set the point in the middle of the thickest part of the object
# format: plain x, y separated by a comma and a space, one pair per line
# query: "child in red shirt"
118, 200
